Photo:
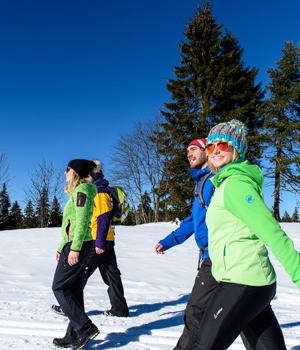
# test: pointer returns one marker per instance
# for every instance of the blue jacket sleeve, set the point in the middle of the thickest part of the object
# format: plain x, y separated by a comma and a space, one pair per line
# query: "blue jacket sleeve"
180, 235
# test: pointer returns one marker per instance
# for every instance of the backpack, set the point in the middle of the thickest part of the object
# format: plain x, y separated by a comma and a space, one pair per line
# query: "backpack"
200, 190
119, 204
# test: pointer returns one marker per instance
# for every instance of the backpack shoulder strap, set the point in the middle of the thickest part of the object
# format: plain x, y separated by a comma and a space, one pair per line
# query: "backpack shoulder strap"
200, 190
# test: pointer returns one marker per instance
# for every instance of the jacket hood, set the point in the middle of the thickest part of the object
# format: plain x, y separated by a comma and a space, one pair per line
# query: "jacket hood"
240, 167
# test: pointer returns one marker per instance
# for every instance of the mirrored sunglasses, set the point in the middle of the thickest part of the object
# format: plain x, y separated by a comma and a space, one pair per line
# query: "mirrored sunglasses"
222, 146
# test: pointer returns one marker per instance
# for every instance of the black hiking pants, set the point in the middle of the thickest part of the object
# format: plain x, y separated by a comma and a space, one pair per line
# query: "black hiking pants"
201, 293
68, 284
234, 308
106, 262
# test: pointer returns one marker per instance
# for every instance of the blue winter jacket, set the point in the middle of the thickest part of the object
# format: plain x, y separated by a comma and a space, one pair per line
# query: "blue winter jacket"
194, 223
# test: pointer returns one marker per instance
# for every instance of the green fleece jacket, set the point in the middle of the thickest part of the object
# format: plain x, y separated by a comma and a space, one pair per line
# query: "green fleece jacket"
240, 226
77, 217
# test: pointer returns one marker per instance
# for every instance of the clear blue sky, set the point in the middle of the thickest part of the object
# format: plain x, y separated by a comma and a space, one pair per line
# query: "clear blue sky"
75, 75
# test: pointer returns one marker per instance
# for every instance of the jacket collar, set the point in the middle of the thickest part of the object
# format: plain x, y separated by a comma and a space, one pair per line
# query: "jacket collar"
101, 182
197, 174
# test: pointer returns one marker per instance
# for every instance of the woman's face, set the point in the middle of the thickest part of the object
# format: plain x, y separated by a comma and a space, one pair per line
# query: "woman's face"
68, 173
220, 158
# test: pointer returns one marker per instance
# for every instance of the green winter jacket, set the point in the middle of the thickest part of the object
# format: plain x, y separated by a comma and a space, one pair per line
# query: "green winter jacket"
77, 217
240, 226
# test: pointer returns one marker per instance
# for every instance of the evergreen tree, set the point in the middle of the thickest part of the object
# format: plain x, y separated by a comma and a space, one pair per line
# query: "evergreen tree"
43, 208
145, 211
286, 217
4, 208
295, 216
55, 219
16, 216
29, 218
282, 124
211, 86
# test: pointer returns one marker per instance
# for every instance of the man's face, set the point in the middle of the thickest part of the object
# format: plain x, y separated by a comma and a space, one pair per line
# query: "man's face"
196, 157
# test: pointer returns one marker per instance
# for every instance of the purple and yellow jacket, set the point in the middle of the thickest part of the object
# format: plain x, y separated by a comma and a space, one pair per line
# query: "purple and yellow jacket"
102, 230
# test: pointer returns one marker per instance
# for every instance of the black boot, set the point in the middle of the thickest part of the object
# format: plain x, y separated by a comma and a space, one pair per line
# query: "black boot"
81, 342
62, 343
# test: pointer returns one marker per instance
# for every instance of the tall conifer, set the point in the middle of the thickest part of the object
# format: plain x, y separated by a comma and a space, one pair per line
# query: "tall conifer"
4, 208
282, 124
211, 86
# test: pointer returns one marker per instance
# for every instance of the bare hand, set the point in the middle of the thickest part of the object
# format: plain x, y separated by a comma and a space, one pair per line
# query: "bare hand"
57, 255
159, 249
99, 250
73, 258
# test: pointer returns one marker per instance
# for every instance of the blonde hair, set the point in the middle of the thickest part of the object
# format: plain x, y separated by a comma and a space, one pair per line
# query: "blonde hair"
74, 182
235, 156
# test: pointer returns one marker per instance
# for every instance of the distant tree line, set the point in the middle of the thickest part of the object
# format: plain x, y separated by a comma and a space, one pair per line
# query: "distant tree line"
211, 84
43, 208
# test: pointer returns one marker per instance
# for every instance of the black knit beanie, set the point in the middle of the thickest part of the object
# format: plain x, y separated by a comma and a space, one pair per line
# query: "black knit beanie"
82, 166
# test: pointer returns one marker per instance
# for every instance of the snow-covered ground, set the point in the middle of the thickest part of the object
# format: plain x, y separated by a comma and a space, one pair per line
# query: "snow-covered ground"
156, 287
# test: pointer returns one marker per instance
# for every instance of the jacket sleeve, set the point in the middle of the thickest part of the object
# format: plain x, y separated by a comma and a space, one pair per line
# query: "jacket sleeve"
102, 217
243, 200
82, 213
180, 235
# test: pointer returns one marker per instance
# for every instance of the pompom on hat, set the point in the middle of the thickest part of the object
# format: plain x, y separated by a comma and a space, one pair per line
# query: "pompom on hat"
82, 166
201, 143
234, 132
97, 172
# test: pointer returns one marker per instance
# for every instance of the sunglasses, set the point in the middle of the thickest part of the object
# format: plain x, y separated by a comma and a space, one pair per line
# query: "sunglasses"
68, 169
222, 146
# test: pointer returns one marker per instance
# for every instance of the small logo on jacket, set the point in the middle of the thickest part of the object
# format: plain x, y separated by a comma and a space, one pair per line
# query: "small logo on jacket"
250, 199
218, 313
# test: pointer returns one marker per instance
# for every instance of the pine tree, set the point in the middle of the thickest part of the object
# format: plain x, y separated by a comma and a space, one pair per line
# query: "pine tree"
282, 124
43, 208
4, 208
295, 216
55, 219
145, 211
211, 86
29, 218
16, 216
286, 217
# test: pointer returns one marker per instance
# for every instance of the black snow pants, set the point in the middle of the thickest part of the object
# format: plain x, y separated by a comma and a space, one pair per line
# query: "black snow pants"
106, 262
68, 284
234, 308
201, 293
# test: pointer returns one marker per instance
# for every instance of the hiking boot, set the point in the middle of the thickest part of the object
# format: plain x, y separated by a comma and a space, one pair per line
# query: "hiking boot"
110, 314
57, 309
81, 342
62, 343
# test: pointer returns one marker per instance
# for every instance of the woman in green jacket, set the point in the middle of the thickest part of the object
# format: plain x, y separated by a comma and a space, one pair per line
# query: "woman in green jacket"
240, 228
72, 254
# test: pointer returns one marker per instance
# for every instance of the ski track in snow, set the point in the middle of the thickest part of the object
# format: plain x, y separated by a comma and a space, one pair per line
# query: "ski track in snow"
156, 288
147, 330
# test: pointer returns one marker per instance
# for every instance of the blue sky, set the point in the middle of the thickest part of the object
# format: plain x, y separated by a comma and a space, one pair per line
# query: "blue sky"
75, 75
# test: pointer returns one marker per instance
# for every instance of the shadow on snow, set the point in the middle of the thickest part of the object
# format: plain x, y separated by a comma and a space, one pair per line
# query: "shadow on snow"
132, 334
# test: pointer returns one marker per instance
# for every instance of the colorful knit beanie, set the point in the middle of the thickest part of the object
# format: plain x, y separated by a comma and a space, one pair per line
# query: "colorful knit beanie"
198, 142
234, 132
